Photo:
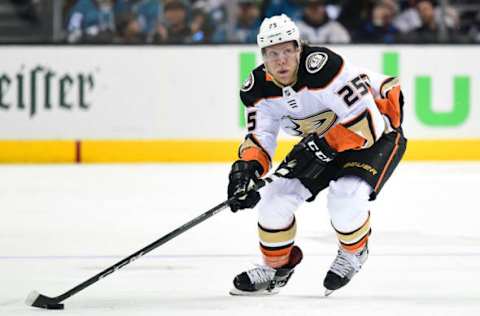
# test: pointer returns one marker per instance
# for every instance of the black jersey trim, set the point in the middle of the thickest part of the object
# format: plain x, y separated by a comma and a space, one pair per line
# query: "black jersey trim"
325, 76
261, 89
265, 89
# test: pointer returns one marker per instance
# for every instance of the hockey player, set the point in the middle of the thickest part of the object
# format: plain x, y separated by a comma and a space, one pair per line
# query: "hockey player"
349, 120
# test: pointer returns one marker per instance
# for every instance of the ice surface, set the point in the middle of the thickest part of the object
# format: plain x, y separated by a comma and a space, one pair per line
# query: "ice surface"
62, 224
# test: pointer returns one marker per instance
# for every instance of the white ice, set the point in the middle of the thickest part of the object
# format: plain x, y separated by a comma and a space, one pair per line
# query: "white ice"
62, 224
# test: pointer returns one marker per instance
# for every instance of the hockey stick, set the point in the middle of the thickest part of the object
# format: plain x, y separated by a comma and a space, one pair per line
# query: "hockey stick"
36, 299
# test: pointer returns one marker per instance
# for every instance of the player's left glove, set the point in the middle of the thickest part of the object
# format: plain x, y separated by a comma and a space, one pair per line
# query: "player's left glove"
242, 178
307, 159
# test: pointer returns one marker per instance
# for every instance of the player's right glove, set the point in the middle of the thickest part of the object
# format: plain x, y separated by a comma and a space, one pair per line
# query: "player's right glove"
307, 159
243, 176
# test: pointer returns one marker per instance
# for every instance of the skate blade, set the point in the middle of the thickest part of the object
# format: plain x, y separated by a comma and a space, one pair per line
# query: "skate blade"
237, 292
328, 292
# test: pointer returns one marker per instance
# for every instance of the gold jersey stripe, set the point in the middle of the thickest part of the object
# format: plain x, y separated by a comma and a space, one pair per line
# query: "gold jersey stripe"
363, 126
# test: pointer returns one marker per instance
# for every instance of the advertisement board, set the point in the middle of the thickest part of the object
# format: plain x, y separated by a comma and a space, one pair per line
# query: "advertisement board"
103, 98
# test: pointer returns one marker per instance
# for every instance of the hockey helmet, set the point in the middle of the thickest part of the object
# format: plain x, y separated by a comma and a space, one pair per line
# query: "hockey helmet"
277, 29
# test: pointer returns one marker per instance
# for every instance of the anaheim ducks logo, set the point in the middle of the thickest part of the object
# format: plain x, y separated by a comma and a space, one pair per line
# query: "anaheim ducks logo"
248, 83
315, 62
319, 123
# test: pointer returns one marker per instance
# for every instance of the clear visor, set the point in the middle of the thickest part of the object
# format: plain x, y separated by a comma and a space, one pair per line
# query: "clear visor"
275, 54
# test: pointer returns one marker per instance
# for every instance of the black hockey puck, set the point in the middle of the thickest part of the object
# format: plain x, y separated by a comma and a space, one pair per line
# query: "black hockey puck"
54, 306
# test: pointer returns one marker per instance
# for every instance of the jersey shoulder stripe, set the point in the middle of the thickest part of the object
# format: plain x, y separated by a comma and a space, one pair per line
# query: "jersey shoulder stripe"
258, 86
319, 66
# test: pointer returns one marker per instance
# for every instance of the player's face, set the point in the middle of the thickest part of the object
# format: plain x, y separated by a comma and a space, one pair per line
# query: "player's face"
281, 61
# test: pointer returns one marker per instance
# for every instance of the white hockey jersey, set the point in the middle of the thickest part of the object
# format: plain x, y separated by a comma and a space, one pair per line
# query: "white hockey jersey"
330, 96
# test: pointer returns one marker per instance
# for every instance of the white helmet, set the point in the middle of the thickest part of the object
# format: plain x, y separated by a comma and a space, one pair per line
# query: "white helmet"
277, 29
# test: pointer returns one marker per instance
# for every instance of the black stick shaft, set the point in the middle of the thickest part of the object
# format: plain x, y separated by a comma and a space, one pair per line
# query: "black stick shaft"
197, 220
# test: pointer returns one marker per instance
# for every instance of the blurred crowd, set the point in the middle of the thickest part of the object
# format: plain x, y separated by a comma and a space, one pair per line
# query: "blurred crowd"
237, 21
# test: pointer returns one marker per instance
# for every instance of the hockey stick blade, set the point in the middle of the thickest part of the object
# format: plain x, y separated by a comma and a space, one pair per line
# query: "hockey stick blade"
36, 299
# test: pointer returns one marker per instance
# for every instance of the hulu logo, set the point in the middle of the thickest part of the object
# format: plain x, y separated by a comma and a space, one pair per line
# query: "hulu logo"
423, 96
423, 92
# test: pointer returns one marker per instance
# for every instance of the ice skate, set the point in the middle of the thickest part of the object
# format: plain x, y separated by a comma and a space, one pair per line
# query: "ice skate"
343, 268
264, 280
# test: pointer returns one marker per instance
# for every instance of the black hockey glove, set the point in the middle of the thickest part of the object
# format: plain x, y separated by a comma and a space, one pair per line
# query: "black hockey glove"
307, 159
243, 176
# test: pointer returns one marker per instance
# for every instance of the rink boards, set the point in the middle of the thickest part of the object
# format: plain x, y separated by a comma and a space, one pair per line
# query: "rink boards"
180, 104
186, 151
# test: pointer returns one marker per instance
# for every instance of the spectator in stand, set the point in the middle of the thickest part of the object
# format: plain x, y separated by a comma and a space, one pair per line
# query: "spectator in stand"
354, 12
215, 13
202, 26
474, 29
246, 25
91, 21
429, 30
176, 28
408, 19
28, 10
291, 8
216, 9
379, 28
128, 28
316, 27
137, 20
